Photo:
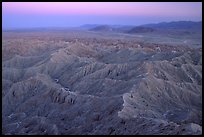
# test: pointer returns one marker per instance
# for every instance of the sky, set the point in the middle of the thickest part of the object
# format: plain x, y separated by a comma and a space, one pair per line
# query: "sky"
73, 14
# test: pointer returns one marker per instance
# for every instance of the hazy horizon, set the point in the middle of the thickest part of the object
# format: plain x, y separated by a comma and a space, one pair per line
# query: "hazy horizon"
73, 14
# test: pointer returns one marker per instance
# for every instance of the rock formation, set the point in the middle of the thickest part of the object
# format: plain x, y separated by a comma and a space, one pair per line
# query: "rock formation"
55, 85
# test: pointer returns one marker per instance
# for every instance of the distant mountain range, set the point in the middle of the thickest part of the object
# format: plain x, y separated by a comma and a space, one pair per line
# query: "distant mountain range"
141, 29
176, 25
102, 28
89, 26
163, 27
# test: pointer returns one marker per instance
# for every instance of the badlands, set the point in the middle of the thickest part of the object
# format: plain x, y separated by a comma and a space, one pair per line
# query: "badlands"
95, 83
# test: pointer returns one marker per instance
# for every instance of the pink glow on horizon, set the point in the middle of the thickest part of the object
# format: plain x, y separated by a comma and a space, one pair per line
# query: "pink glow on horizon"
105, 8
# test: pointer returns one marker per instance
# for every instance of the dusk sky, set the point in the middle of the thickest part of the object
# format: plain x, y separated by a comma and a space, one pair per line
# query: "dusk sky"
72, 14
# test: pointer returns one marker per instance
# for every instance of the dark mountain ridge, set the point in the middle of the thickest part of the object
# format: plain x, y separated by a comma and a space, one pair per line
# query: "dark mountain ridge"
175, 25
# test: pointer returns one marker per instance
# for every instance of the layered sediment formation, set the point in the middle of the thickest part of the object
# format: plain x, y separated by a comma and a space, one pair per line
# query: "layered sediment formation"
84, 85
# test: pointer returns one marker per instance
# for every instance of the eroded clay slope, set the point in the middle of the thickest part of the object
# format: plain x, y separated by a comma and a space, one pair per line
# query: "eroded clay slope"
74, 84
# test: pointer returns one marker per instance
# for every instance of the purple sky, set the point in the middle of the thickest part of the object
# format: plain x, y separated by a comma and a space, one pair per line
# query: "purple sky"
68, 14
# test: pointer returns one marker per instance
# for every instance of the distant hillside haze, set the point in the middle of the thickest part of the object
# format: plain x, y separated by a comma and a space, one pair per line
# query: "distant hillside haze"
176, 25
141, 29
153, 27
88, 26
102, 28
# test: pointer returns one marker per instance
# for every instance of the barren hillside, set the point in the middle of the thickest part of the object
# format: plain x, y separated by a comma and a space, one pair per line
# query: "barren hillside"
85, 83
